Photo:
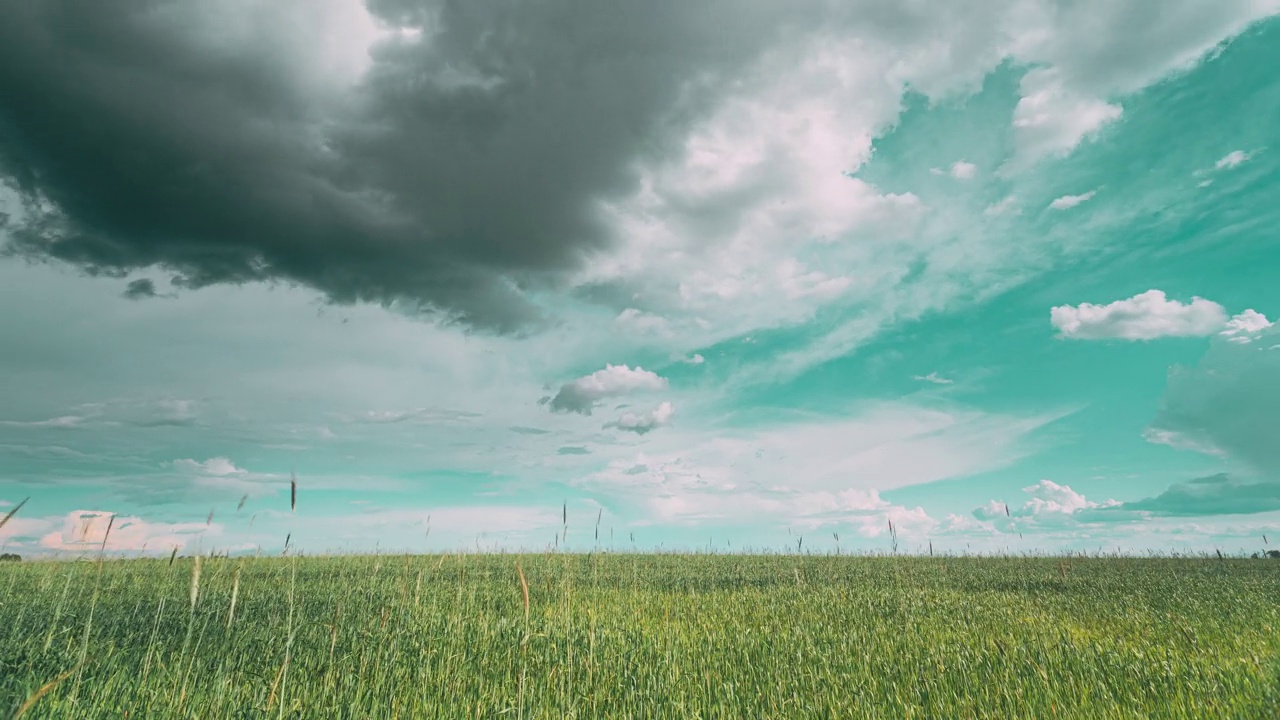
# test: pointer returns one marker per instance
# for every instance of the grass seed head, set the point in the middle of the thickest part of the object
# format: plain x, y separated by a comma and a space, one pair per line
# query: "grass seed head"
195, 583
9, 515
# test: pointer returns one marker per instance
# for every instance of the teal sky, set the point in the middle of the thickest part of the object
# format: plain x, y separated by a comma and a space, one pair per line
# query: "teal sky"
1002, 275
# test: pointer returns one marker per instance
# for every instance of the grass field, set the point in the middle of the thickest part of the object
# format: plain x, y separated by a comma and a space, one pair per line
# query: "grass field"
679, 636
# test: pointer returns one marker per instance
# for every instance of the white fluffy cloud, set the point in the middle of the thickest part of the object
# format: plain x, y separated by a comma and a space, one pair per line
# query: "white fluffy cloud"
641, 423
1066, 202
582, 395
1049, 502
1052, 118
1095, 51
633, 320
1243, 327
960, 170
85, 530
218, 466
1145, 316
760, 219
1048, 496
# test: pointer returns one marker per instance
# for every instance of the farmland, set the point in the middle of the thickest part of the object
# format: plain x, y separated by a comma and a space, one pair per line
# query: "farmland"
629, 635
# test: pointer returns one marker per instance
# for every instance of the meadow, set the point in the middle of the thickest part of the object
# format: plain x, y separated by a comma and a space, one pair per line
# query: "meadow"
635, 636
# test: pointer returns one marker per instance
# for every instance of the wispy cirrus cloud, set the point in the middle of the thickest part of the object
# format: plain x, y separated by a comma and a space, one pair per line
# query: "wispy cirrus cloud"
1066, 202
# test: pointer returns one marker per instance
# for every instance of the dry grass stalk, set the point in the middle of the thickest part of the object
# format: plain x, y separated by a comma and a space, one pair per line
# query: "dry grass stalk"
195, 583
235, 593
44, 689
271, 699
9, 515
110, 522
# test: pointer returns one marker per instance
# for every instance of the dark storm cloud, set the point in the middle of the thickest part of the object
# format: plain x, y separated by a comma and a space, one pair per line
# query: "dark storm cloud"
140, 288
461, 171
1218, 494
1213, 495
1227, 402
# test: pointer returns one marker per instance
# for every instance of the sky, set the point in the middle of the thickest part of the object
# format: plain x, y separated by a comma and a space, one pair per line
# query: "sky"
717, 276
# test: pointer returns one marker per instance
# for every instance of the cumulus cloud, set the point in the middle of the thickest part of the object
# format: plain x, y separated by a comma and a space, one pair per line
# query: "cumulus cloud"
218, 466
85, 530
640, 321
583, 394
304, 128
1145, 316
1048, 496
694, 359
1066, 202
1243, 328
1049, 503
641, 423
214, 478
1052, 117
960, 170
1092, 52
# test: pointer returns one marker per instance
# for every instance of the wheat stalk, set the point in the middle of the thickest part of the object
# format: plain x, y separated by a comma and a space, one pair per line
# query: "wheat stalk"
524, 590
235, 592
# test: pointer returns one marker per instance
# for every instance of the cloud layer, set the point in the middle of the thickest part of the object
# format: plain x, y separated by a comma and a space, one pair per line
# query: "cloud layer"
465, 158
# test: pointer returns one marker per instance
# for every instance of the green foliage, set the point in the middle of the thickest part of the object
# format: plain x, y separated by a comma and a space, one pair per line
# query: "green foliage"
623, 636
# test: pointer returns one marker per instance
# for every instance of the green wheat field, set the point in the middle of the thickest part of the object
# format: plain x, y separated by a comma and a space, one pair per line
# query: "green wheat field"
636, 636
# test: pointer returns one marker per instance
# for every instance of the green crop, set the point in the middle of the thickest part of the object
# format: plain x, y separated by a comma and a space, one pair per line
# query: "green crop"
636, 636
